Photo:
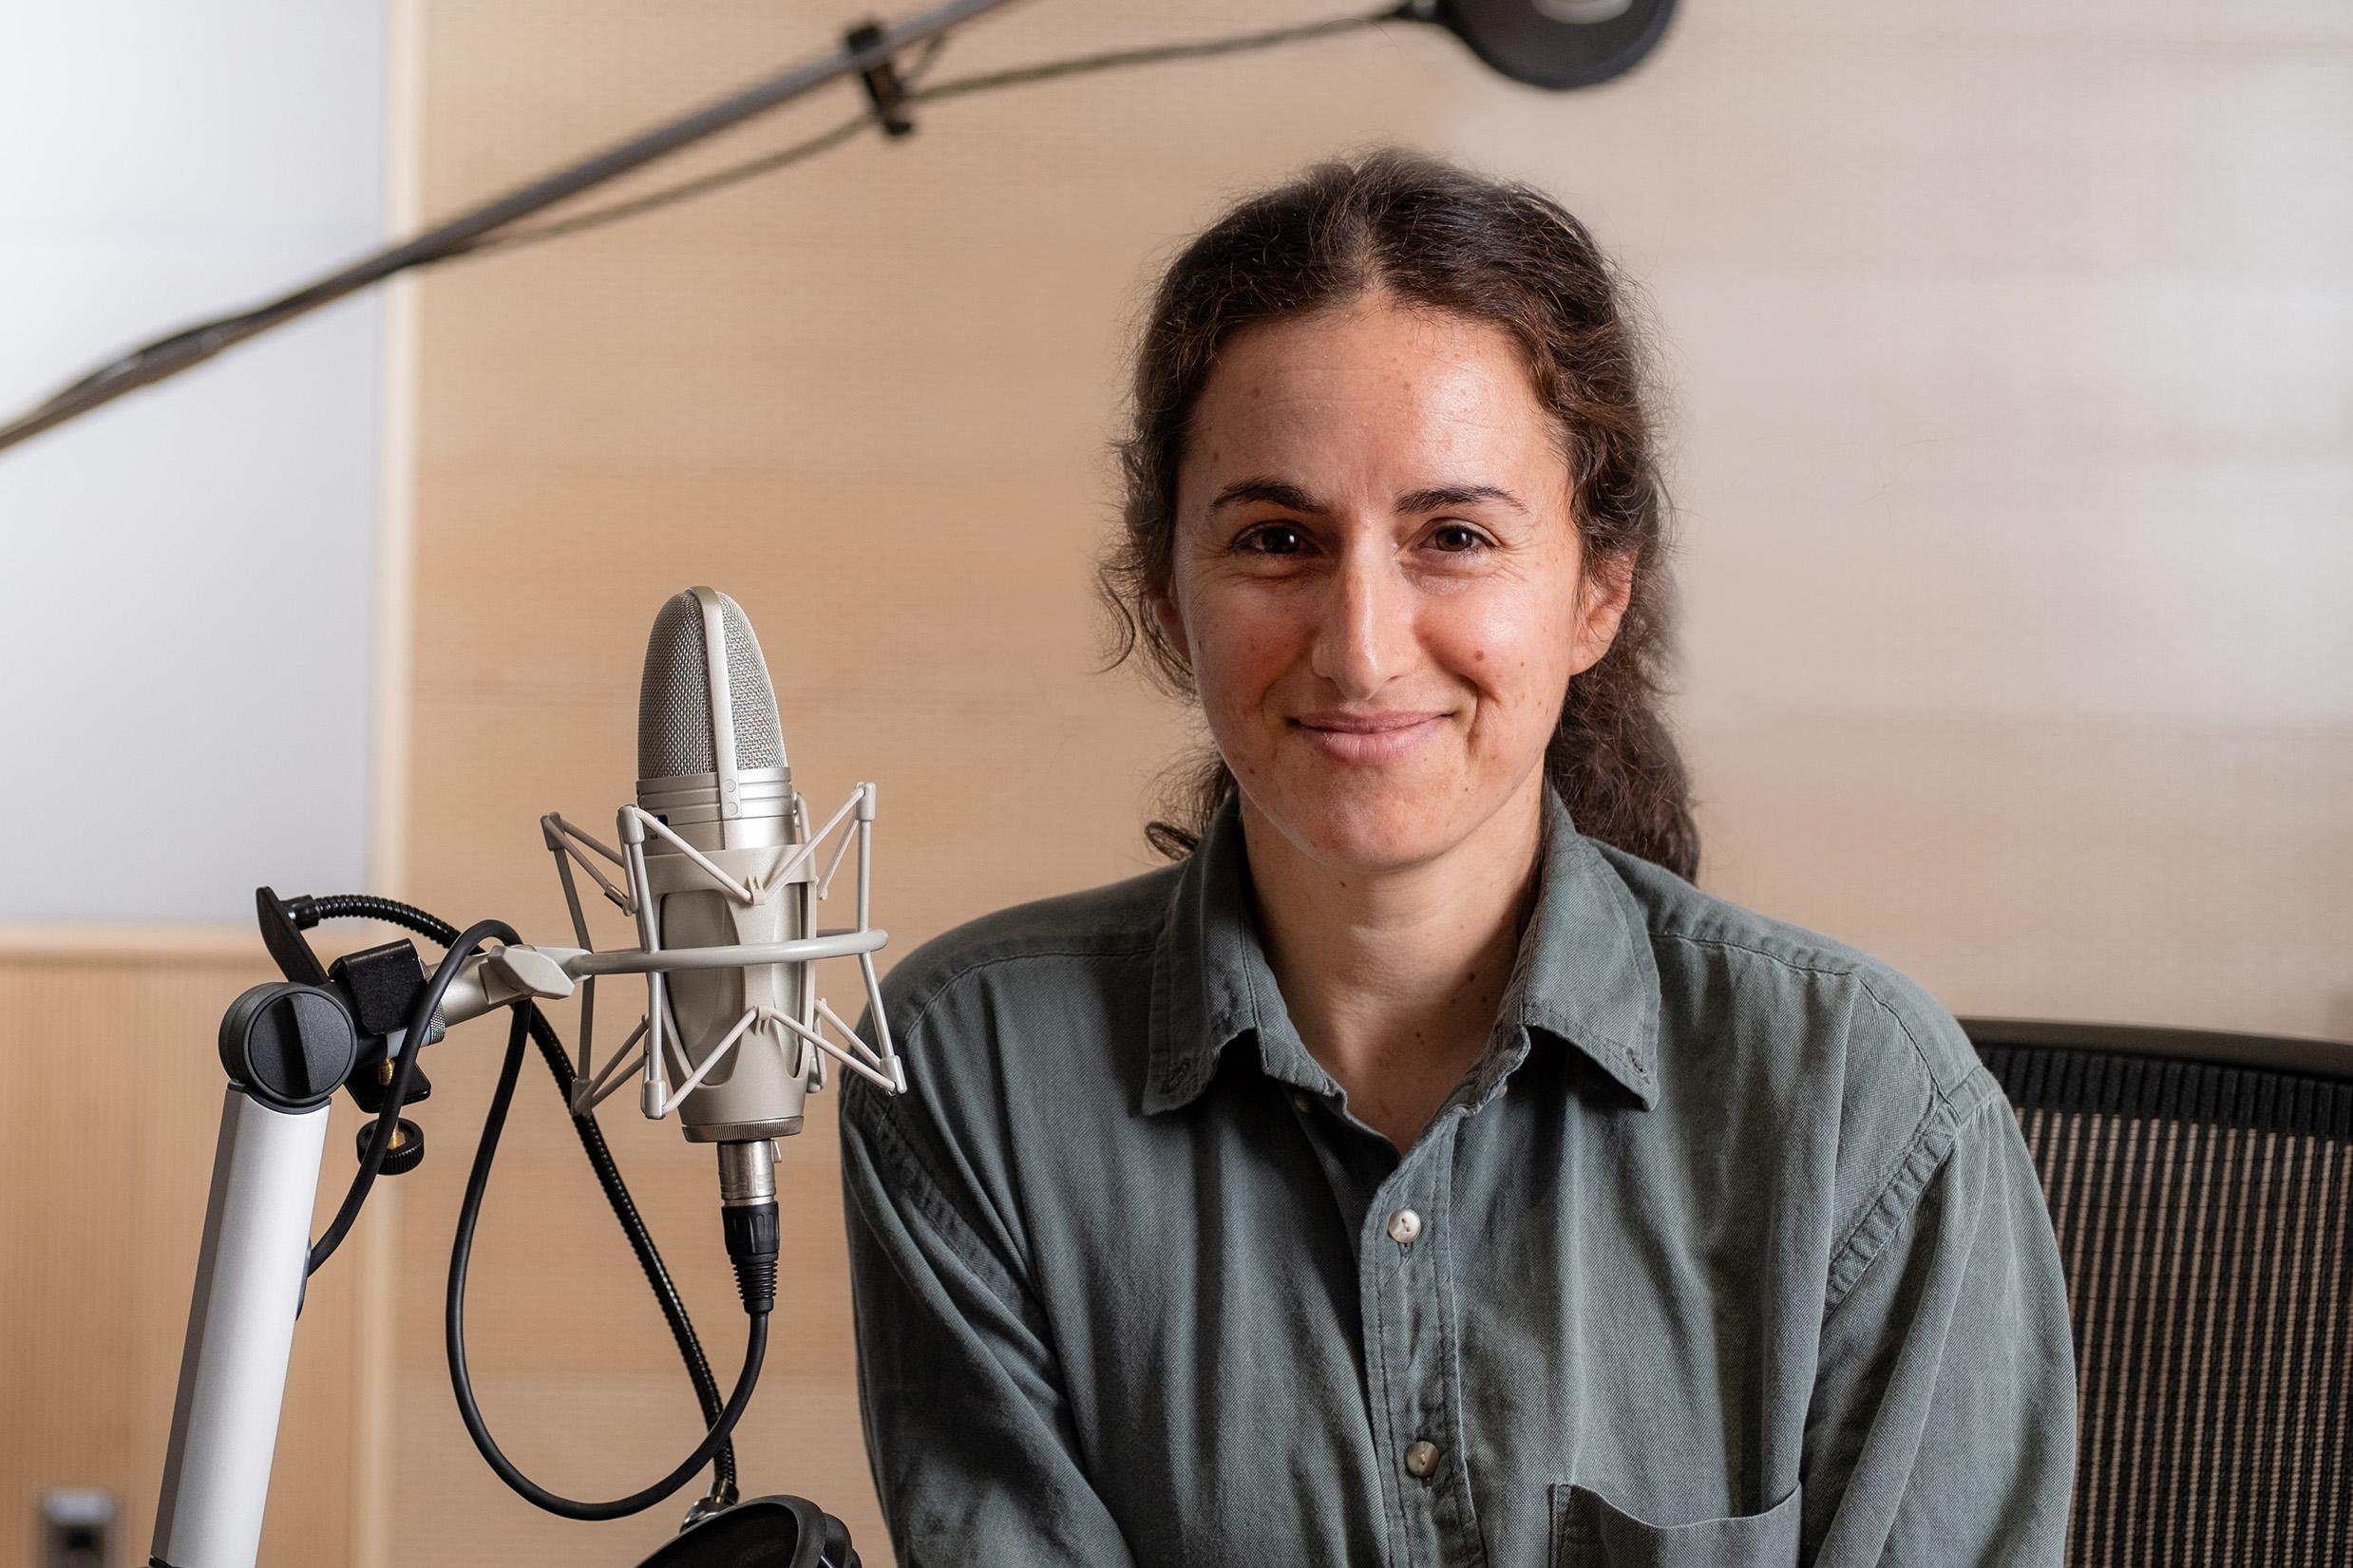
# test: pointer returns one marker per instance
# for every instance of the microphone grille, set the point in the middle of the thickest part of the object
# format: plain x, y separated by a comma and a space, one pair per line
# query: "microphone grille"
675, 735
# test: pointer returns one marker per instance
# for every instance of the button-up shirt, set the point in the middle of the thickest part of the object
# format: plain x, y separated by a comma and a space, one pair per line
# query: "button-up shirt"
1727, 1250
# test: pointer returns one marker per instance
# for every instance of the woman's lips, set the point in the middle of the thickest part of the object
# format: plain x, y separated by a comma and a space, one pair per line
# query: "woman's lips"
1366, 737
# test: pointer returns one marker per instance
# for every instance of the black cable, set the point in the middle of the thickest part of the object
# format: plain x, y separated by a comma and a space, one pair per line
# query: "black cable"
369, 906
959, 87
718, 179
461, 1252
397, 1094
1152, 54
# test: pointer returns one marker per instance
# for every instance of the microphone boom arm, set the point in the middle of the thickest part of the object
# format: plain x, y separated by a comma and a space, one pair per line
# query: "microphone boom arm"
185, 350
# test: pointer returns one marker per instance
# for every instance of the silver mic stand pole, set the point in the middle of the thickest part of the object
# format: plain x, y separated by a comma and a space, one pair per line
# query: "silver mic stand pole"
288, 1049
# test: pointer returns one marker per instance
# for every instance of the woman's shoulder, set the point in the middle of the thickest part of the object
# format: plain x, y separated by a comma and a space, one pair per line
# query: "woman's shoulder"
1779, 1038
1045, 949
1782, 973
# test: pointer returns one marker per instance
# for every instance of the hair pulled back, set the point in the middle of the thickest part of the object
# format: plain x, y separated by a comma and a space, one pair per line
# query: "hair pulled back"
1434, 235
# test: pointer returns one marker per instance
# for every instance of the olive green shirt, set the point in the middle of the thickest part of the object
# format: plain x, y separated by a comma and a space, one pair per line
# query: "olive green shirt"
1727, 1252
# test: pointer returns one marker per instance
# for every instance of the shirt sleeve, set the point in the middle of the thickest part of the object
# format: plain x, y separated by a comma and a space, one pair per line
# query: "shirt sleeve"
967, 1423
1942, 1424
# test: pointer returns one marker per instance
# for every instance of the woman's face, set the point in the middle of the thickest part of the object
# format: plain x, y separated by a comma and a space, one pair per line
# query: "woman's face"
1377, 579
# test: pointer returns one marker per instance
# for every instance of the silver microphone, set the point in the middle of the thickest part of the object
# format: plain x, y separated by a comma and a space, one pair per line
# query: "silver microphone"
720, 871
711, 767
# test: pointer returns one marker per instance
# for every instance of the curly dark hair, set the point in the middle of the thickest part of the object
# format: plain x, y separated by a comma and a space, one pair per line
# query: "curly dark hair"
1434, 235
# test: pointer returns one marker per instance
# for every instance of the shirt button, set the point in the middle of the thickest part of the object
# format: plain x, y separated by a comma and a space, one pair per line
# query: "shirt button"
1421, 1459
1298, 1098
1405, 1227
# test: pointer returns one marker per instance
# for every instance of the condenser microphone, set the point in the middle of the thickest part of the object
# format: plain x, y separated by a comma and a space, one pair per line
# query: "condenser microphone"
722, 874
720, 871
711, 768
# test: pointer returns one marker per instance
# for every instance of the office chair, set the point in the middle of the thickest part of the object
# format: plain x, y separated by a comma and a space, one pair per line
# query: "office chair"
2201, 1188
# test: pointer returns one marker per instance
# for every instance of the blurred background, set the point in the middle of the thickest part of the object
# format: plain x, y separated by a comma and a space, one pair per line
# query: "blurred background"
2009, 352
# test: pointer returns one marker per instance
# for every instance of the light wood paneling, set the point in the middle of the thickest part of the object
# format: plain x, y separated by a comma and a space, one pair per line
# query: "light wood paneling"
2193, 876
109, 1111
2007, 351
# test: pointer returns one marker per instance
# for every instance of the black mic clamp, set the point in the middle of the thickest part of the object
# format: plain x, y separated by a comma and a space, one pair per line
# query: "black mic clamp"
885, 89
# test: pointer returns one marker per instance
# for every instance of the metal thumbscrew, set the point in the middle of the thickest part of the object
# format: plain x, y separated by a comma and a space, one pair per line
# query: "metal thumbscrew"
407, 1151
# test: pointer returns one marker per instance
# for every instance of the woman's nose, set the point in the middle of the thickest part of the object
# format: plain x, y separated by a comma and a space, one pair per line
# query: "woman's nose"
1366, 626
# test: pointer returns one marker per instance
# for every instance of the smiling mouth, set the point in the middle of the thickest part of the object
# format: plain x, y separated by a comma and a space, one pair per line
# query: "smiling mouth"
1366, 737
1363, 724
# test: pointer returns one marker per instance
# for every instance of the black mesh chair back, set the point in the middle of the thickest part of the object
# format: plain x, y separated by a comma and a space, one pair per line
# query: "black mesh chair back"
2201, 1187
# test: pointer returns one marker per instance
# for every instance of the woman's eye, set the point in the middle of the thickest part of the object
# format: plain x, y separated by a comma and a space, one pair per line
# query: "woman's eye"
1456, 538
1274, 538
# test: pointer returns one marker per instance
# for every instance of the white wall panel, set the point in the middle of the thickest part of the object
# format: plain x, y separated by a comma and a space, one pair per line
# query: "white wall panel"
184, 575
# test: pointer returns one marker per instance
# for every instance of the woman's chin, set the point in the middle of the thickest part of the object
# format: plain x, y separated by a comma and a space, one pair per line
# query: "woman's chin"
1365, 826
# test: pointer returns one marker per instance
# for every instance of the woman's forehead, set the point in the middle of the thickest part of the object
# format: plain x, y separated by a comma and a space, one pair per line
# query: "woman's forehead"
1372, 396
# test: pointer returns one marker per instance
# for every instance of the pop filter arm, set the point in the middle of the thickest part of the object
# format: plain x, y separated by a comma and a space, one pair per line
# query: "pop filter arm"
185, 350
1550, 44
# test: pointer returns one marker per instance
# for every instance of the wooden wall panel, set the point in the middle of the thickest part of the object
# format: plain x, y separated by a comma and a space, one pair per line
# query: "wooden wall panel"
109, 1111
2007, 355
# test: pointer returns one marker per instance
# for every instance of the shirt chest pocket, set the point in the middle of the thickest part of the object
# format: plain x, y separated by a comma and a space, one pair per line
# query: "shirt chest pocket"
1590, 1530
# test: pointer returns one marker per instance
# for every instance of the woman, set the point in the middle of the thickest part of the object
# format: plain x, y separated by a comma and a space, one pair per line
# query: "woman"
1421, 1170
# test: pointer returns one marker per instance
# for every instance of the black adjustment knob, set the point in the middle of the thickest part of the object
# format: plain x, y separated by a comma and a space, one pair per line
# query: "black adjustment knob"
290, 1046
406, 1153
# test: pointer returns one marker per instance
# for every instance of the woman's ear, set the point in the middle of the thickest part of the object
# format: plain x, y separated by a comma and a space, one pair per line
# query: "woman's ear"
1171, 620
1602, 592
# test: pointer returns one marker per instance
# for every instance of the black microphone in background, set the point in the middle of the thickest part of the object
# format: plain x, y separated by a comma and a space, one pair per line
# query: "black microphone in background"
1554, 43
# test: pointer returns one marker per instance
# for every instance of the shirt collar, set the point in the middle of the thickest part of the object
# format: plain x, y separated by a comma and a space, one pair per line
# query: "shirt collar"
1584, 977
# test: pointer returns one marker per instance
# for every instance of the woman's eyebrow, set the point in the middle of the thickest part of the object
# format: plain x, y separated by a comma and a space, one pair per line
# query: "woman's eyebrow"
1439, 497
1436, 497
1274, 492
